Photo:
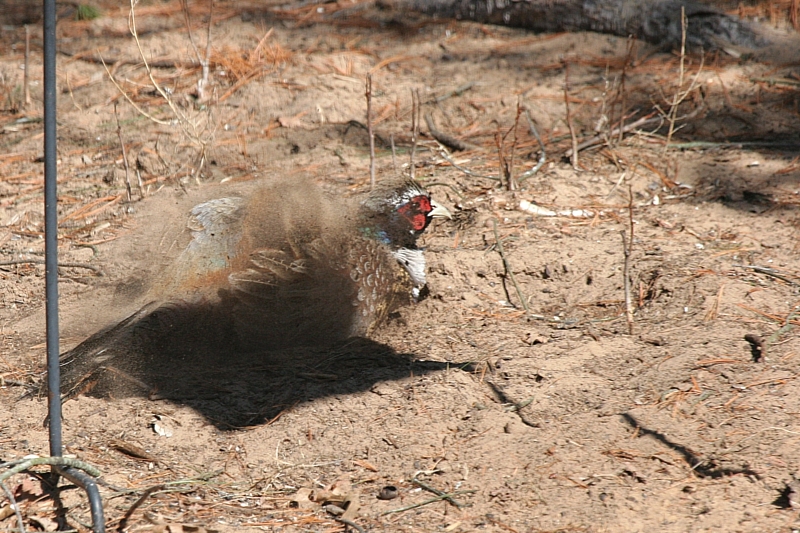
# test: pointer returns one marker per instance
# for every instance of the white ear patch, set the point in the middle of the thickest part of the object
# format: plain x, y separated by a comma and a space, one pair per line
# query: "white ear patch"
414, 263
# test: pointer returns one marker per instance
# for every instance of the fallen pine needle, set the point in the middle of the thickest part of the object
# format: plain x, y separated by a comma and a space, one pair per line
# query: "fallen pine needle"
432, 500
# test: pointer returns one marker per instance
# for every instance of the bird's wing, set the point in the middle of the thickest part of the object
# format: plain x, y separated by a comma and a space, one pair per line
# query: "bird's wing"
216, 228
302, 296
268, 272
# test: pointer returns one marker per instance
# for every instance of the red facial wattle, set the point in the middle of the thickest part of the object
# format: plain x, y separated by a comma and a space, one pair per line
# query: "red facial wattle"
416, 212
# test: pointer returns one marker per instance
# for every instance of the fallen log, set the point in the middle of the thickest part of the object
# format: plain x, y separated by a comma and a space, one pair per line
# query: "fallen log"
654, 21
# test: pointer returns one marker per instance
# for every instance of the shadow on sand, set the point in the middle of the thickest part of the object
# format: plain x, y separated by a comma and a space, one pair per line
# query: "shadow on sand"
186, 355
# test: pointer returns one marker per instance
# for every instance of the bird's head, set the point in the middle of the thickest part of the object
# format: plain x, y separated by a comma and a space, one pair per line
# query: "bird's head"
415, 208
398, 215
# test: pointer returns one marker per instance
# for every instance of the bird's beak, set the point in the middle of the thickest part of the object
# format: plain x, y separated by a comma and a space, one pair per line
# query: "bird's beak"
439, 211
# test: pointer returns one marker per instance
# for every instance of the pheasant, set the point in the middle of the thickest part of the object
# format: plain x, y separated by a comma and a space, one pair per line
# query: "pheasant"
286, 266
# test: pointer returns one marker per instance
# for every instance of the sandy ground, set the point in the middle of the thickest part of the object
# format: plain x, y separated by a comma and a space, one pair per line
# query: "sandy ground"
563, 418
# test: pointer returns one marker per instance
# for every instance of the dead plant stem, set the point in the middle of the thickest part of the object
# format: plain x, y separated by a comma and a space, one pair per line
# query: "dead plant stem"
202, 83
787, 326
631, 45
458, 91
129, 99
94, 268
512, 181
438, 492
124, 521
26, 89
394, 153
542, 157
502, 170
208, 40
507, 266
370, 132
427, 502
189, 128
148, 69
443, 138
771, 272
673, 111
468, 172
643, 122
627, 282
630, 213
20, 465
627, 248
574, 155
349, 523
124, 154
415, 116
13, 503
681, 94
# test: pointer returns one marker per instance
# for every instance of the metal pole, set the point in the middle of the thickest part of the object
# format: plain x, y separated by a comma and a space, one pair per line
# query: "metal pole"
51, 271
51, 228
87, 483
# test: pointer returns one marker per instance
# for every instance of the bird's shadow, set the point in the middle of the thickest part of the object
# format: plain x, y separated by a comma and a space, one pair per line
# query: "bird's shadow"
188, 359
248, 389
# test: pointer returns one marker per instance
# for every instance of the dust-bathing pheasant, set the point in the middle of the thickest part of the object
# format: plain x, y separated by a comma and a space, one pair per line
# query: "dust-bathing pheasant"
286, 266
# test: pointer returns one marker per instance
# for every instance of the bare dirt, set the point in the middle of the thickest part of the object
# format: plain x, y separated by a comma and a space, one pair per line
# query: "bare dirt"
559, 419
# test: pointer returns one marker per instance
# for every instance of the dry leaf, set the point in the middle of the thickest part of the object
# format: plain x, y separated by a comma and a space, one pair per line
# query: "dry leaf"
29, 489
132, 450
302, 499
341, 494
292, 122
6, 511
181, 528
366, 464
44, 523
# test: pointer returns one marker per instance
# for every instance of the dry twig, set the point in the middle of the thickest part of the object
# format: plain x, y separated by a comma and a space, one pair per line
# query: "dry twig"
124, 521
197, 131
447, 497
130, 100
427, 502
508, 269
522, 177
349, 523
202, 83
124, 154
368, 94
26, 75
458, 91
771, 272
627, 282
621, 94
20, 465
95, 268
443, 138
415, 116
13, 503
542, 157
672, 114
443, 152
787, 326
627, 248
643, 122
394, 153
506, 164
574, 155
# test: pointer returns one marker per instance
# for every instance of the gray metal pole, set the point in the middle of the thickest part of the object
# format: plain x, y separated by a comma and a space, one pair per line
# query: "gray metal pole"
51, 271
51, 228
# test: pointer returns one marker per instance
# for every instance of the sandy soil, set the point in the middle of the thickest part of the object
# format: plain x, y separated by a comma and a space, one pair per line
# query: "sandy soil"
559, 419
